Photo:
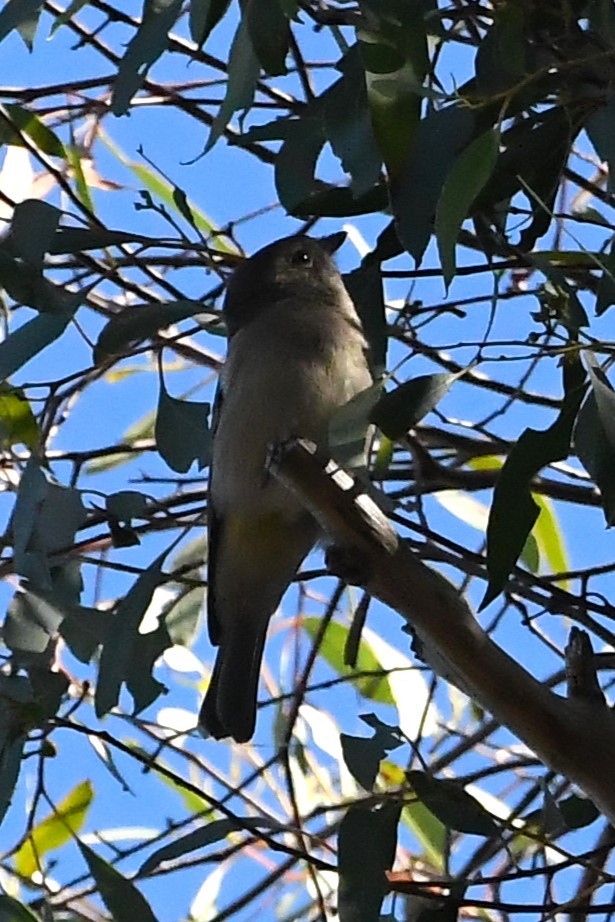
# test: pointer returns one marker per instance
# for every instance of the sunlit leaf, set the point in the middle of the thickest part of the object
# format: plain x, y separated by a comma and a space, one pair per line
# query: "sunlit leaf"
55, 830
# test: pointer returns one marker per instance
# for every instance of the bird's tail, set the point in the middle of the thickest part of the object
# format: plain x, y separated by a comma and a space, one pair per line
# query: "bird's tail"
229, 707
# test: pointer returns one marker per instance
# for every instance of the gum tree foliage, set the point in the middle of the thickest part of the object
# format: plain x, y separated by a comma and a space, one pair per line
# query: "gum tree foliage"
466, 148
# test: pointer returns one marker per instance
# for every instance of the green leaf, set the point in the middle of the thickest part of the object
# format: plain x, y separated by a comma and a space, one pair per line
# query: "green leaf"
122, 637
550, 539
366, 849
363, 755
500, 61
148, 43
428, 830
206, 835
463, 184
22, 15
373, 687
594, 437
28, 340
55, 830
364, 285
11, 910
64, 17
400, 410
119, 895
452, 805
127, 505
440, 138
139, 322
560, 298
15, 120
77, 239
243, 71
15, 701
182, 432
578, 812
348, 125
349, 425
32, 229
605, 295
17, 423
596, 453
395, 59
204, 16
147, 649
29, 287
600, 127
295, 164
513, 511
269, 34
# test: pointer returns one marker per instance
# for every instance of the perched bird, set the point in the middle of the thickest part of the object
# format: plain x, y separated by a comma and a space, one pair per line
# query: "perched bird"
296, 353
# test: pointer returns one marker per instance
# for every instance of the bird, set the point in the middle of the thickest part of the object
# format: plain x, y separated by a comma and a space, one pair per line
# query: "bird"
296, 353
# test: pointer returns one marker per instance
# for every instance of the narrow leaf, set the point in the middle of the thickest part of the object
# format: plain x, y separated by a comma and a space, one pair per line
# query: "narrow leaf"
139, 322
148, 43
120, 896
366, 849
468, 176
55, 830
121, 637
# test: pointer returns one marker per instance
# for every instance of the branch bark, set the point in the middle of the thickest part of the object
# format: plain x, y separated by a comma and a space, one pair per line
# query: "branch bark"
574, 736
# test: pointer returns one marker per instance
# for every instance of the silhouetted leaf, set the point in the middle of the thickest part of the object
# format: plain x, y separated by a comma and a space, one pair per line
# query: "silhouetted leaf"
243, 70
204, 16
366, 849
400, 410
600, 127
348, 126
139, 322
363, 755
605, 296
364, 286
22, 15
394, 52
15, 703
596, 453
269, 34
206, 835
182, 432
32, 229
513, 511
120, 896
148, 43
439, 139
77, 239
452, 805
463, 184
578, 812
127, 505
11, 910
501, 55
121, 639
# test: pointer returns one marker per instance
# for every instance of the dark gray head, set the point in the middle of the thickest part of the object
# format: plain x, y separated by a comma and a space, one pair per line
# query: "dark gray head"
294, 266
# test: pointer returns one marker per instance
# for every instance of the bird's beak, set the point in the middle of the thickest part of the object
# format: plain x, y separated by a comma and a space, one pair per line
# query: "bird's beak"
333, 242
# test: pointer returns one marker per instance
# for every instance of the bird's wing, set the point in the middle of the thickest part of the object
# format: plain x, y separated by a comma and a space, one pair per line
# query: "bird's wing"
214, 528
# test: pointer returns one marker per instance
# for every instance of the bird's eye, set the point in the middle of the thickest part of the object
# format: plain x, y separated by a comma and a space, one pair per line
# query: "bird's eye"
301, 258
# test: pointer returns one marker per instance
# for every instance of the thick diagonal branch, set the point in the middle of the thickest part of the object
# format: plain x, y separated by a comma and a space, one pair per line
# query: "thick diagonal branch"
574, 736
